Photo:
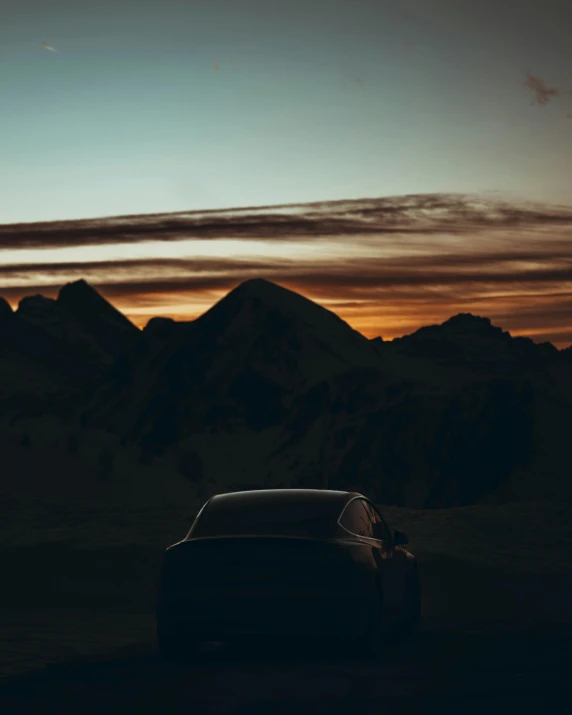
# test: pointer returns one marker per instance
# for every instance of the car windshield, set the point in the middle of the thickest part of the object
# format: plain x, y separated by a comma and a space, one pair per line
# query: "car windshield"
273, 518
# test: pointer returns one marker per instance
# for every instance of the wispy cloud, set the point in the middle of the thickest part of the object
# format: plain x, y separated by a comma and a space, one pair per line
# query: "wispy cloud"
423, 214
351, 274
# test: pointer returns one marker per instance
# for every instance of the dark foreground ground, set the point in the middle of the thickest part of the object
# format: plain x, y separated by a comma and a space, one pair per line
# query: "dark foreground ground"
452, 667
76, 627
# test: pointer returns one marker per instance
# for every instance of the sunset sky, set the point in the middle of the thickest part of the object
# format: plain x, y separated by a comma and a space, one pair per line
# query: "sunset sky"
134, 107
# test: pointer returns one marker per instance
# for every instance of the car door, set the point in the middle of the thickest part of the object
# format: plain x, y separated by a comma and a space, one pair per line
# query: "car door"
391, 562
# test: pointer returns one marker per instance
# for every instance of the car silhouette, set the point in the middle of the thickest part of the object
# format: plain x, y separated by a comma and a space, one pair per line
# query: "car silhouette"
293, 563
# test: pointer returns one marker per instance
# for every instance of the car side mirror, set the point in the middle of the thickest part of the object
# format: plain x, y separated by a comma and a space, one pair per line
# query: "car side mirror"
400, 538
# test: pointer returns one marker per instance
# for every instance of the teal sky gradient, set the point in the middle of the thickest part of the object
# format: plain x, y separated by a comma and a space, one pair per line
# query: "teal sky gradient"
313, 100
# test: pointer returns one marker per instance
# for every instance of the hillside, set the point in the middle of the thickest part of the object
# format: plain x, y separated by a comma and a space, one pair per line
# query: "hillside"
462, 412
269, 389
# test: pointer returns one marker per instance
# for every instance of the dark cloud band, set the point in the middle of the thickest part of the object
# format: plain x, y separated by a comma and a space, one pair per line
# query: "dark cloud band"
421, 214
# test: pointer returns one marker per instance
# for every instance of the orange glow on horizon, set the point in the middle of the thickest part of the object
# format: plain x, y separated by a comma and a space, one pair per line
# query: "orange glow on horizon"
386, 266
384, 318
380, 320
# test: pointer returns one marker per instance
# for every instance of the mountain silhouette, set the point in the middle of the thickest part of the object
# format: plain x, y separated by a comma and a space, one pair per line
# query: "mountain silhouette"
267, 388
33, 361
238, 365
468, 340
162, 329
83, 322
111, 331
48, 345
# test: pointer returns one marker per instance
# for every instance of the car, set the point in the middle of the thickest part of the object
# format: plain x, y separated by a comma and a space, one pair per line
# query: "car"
287, 563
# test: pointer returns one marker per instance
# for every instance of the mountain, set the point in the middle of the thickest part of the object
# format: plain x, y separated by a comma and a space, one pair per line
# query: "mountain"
407, 442
470, 341
268, 389
82, 322
161, 329
463, 412
238, 365
33, 362
48, 346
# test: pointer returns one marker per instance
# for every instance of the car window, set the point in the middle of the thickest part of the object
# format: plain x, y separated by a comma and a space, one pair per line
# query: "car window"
379, 528
274, 517
356, 519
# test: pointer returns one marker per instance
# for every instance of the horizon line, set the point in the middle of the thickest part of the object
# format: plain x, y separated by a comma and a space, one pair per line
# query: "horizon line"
248, 280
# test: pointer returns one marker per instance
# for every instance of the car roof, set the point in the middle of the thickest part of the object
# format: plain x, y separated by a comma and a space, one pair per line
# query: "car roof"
335, 498
306, 511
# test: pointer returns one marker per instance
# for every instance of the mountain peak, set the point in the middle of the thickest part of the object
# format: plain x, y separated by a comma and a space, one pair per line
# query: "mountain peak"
85, 303
261, 339
469, 323
162, 328
258, 301
274, 296
264, 289
36, 307
79, 291
258, 284
463, 327
468, 318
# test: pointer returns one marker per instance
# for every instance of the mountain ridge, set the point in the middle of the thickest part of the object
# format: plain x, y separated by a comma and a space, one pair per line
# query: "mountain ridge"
267, 388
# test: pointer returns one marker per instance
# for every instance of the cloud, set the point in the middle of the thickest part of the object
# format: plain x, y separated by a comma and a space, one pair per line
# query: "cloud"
424, 214
351, 273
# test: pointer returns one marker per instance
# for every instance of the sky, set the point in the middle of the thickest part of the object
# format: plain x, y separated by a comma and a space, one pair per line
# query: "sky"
134, 107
